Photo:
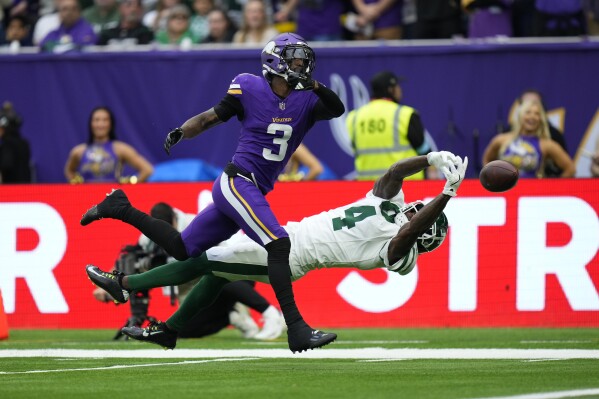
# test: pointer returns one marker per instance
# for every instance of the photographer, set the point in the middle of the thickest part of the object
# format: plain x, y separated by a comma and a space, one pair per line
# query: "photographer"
15, 154
227, 309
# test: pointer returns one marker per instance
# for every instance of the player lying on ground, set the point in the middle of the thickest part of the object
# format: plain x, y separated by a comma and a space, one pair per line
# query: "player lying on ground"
377, 231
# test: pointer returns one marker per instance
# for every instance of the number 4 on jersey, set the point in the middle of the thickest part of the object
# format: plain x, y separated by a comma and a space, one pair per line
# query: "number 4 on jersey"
353, 215
358, 213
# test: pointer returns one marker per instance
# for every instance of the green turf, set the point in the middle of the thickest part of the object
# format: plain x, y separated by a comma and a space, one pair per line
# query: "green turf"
300, 377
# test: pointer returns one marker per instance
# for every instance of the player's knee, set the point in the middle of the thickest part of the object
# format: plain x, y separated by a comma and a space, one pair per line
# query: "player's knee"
279, 249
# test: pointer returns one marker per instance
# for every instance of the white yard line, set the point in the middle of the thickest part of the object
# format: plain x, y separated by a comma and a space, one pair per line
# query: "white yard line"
556, 341
552, 395
123, 366
361, 353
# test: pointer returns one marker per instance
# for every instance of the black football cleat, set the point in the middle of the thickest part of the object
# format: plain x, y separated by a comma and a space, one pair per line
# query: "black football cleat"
156, 333
304, 338
109, 282
113, 206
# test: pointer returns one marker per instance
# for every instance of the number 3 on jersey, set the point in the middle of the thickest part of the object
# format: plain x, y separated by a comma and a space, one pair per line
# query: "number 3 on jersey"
273, 128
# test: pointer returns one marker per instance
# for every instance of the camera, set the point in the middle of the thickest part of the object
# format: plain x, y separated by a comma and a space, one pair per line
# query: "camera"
134, 259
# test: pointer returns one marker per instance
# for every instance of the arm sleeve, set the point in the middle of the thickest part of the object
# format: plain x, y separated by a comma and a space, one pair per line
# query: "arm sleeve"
416, 135
329, 105
228, 107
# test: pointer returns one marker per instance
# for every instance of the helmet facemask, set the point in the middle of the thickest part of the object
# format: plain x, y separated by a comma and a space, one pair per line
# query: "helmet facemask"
279, 53
432, 238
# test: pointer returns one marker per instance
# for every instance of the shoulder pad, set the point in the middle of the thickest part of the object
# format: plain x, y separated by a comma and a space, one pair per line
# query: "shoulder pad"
242, 82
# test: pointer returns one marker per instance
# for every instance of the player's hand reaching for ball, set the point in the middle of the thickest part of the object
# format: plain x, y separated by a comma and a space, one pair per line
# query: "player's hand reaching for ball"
438, 159
172, 138
454, 173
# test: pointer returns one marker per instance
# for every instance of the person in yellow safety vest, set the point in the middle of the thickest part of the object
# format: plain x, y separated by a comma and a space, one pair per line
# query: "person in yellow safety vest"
384, 131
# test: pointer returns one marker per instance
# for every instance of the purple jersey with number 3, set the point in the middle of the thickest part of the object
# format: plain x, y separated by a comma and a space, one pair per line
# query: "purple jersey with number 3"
272, 127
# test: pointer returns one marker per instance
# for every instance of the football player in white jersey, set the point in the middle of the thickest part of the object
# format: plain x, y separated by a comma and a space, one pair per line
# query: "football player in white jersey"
379, 230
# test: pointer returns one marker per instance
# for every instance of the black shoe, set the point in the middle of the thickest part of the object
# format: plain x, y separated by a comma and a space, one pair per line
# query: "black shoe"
109, 282
156, 333
113, 206
303, 338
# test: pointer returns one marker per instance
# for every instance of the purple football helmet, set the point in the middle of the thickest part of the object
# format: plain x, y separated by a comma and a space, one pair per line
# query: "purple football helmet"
281, 50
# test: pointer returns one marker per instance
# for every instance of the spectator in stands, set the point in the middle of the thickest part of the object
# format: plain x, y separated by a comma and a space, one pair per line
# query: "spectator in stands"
221, 28
488, 18
102, 158
199, 20
522, 17
46, 7
408, 19
384, 15
316, 20
551, 170
384, 130
438, 19
177, 28
157, 19
46, 23
559, 18
104, 14
130, 30
73, 33
15, 154
3, 4
528, 145
18, 30
595, 160
301, 157
591, 10
234, 9
255, 26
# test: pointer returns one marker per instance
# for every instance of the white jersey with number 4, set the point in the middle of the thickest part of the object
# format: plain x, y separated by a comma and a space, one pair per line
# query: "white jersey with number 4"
356, 235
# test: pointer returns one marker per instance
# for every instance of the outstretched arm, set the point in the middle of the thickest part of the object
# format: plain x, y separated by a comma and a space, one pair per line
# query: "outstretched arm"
388, 185
420, 222
200, 123
222, 112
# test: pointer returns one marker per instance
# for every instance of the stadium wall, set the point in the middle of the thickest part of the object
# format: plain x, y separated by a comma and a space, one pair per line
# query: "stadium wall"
527, 257
463, 91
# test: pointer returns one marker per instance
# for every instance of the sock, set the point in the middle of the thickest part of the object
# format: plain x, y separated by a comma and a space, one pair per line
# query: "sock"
174, 273
159, 231
120, 279
279, 274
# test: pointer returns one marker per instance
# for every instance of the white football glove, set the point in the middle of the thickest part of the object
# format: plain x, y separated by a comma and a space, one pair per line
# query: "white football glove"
438, 159
454, 173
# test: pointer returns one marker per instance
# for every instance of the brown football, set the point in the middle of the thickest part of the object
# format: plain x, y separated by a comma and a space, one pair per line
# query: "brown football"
498, 176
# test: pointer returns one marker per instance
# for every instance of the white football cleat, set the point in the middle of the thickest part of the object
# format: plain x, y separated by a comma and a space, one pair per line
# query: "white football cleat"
240, 318
274, 324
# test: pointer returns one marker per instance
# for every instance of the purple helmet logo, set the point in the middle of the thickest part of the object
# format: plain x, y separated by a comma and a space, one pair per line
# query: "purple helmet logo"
281, 50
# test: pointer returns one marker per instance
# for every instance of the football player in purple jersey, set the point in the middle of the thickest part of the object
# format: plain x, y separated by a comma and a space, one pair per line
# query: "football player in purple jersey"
276, 111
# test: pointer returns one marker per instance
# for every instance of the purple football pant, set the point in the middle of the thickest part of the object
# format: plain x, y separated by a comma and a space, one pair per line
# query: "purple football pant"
238, 203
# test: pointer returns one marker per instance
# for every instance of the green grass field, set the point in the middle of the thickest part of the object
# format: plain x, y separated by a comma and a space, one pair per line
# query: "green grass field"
363, 363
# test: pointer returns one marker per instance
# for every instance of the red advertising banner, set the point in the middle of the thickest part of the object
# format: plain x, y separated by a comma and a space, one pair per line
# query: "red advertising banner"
527, 257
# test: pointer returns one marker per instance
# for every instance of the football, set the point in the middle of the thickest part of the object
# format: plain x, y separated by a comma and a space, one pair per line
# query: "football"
498, 176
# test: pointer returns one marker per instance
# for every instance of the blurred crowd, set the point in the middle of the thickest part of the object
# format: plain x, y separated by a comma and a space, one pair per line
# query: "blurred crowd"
60, 26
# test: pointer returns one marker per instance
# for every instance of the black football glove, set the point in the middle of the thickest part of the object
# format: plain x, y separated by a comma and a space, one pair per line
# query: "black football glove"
172, 138
300, 81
